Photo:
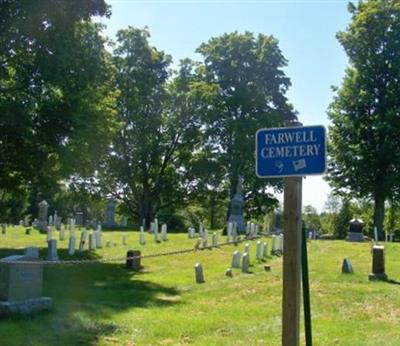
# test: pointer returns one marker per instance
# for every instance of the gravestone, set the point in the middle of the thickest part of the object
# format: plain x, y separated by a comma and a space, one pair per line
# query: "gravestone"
82, 241
92, 241
27, 220
281, 243
378, 263
265, 250
79, 219
245, 263
236, 208
50, 220
273, 244
355, 233
229, 232
49, 233
21, 286
57, 221
155, 231
259, 251
247, 249
98, 237
62, 233
142, 239
229, 272
71, 245
236, 259
198, 269
110, 214
191, 232
164, 232
42, 218
32, 252
52, 250
133, 260
347, 267
215, 239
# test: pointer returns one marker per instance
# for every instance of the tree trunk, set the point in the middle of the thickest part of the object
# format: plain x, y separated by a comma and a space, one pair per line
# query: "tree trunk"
379, 213
145, 212
212, 211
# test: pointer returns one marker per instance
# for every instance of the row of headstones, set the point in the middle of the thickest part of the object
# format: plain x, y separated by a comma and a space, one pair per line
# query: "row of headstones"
261, 253
252, 229
155, 230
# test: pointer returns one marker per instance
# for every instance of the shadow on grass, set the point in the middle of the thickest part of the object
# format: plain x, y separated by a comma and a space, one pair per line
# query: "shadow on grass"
392, 281
87, 297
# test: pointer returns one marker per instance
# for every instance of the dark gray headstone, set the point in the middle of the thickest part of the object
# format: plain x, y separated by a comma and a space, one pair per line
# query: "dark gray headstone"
347, 267
378, 263
133, 259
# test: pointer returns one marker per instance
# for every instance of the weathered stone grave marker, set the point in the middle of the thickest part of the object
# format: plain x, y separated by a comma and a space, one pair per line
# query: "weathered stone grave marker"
198, 269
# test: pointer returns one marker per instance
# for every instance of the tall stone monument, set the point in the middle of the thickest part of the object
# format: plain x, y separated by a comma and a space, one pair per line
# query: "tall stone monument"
237, 204
110, 214
42, 220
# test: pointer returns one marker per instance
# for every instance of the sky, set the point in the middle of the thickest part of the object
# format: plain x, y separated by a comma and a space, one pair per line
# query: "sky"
305, 30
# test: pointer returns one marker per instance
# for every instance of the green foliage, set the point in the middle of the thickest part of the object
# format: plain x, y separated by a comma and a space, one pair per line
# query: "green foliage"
341, 221
364, 141
311, 218
54, 91
248, 74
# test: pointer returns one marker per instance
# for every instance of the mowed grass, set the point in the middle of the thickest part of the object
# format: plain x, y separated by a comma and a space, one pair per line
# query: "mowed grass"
106, 304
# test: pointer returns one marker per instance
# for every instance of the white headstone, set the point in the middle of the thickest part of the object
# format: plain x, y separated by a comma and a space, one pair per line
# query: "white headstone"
62, 233
71, 246
245, 263
281, 243
236, 259
259, 251
265, 250
98, 237
142, 239
164, 232
273, 244
229, 232
155, 231
82, 241
92, 241
215, 239
49, 233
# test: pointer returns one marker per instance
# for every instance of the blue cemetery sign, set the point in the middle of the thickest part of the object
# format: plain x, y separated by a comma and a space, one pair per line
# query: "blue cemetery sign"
290, 151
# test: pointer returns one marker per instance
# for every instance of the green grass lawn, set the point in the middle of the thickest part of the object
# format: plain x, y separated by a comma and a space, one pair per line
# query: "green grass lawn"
106, 304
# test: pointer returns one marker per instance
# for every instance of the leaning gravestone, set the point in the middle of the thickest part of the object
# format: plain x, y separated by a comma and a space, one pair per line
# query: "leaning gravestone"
42, 220
236, 208
21, 286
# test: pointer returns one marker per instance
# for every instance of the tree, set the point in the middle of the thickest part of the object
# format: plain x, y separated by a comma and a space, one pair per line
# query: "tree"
311, 218
54, 91
158, 129
247, 71
341, 221
364, 141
